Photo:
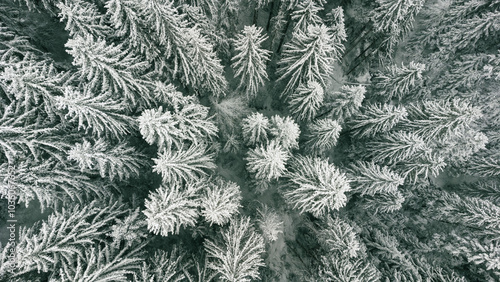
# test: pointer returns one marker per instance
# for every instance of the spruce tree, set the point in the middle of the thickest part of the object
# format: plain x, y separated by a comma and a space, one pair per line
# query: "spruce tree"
250, 60
306, 100
375, 119
101, 115
237, 255
285, 131
110, 68
116, 162
82, 18
441, 119
255, 129
309, 56
171, 207
268, 161
397, 82
183, 165
315, 186
220, 201
346, 102
322, 136
305, 15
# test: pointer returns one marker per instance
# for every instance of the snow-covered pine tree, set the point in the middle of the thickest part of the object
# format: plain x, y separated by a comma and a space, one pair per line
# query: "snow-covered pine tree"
23, 134
315, 186
255, 129
120, 161
172, 127
368, 178
83, 18
335, 20
322, 135
267, 162
309, 56
101, 115
269, 223
391, 15
207, 70
333, 268
285, 131
49, 183
163, 266
229, 113
395, 147
442, 119
237, 255
421, 166
305, 14
397, 82
129, 26
338, 237
220, 200
30, 82
110, 68
183, 165
386, 202
250, 60
103, 263
486, 166
346, 102
171, 207
375, 119
306, 100
61, 239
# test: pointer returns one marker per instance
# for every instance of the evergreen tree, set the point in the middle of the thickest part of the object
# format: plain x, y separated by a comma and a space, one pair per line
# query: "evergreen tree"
208, 72
315, 186
108, 263
62, 238
31, 82
386, 202
229, 113
421, 166
335, 20
220, 201
184, 164
399, 81
375, 119
169, 208
337, 236
267, 161
110, 68
82, 18
255, 129
484, 166
101, 115
346, 103
120, 161
237, 255
269, 223
440, 119
250, 60
162, 266
306, 100
305, 15
21, 135
308, 57
285, 131
50, 183
323, 135
395, 147
368, 178
172, 127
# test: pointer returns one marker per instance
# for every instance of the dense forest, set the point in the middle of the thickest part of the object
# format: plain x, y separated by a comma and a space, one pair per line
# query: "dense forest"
246, 140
